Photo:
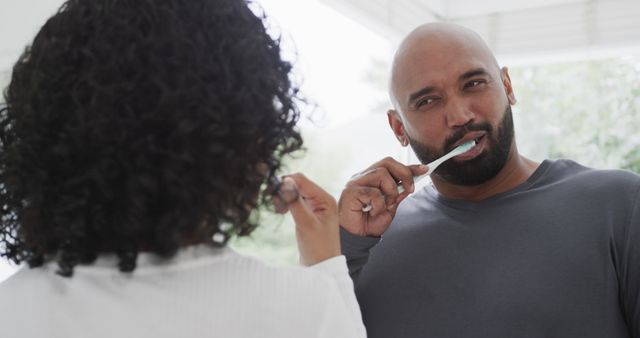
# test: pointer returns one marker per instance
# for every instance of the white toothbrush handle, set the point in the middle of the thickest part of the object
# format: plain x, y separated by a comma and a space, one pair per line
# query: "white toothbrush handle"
431, 168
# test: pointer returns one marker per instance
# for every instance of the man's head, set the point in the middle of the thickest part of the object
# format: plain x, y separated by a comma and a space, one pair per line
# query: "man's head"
141, 125
447, 88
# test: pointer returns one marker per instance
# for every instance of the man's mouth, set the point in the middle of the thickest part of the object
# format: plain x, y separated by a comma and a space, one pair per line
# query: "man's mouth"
477, 139
480, 142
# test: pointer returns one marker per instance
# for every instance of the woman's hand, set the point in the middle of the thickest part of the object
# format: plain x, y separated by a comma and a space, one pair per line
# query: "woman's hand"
315, 213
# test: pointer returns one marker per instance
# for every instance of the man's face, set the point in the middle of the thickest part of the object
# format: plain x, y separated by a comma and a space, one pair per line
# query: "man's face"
478, 169
447, 92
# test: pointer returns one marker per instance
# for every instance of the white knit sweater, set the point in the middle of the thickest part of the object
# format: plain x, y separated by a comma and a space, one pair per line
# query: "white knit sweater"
201, 292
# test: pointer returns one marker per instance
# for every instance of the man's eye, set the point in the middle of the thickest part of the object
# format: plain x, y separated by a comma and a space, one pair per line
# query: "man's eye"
474, 83
425, 102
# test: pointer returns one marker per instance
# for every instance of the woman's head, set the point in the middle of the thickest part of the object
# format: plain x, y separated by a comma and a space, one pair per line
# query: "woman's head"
140, 125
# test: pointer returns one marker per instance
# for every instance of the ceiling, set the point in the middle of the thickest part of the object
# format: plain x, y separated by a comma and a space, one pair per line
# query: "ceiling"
514, 29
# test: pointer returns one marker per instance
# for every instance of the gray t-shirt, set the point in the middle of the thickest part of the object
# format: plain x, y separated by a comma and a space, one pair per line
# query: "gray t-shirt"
558, 256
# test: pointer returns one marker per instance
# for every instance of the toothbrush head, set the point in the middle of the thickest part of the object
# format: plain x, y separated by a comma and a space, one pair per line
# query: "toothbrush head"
464, 147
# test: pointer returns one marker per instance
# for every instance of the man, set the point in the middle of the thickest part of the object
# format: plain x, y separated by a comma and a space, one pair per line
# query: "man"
498, 245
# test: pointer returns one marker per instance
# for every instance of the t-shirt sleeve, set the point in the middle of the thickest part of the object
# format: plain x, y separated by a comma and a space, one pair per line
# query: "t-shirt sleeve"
356, 249
342, 313
629, 275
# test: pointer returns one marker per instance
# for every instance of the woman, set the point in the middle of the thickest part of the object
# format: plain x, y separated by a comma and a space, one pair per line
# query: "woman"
140, 136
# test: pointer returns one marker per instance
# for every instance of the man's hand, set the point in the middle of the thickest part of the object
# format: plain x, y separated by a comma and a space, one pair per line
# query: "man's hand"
377, 187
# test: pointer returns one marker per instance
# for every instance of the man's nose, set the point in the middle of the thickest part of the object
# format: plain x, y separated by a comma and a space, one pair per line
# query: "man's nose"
458, 113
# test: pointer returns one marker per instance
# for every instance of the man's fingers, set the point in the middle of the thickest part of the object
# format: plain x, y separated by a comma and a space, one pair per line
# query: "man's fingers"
389, 177
387, 174
372, 197
418, 169
378, 178
363, 199
401, 173
408, 186
378, 206
389, 187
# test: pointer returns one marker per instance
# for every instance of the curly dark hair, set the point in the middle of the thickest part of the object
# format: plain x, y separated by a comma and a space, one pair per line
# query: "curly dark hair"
136, 125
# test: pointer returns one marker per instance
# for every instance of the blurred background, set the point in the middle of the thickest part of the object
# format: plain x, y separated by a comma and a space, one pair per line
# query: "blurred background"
574, 64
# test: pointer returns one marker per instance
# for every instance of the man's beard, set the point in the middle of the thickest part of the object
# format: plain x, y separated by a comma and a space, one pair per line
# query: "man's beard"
481, 168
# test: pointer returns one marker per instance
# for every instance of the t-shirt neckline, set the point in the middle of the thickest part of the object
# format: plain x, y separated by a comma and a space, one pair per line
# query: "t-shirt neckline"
462, 204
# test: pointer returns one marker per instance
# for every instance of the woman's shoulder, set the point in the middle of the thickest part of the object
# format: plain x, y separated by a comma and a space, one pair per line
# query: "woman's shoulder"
290, 277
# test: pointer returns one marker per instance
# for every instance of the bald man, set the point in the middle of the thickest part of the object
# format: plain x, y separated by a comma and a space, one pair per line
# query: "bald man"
498, 245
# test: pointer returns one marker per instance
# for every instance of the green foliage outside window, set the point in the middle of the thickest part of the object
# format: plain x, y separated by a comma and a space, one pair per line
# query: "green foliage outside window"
588, 111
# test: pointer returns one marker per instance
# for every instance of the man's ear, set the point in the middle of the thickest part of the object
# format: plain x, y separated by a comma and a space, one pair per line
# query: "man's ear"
395, 122
506, 83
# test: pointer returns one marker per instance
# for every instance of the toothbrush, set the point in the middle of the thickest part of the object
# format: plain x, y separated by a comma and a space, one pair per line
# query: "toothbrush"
463, 148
